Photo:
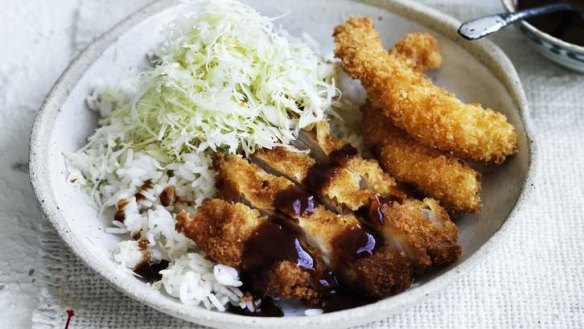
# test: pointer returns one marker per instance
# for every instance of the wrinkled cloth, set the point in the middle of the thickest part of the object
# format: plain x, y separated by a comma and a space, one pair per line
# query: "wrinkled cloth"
532, 278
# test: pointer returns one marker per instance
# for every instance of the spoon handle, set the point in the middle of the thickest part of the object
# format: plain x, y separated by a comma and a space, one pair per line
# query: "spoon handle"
483, 26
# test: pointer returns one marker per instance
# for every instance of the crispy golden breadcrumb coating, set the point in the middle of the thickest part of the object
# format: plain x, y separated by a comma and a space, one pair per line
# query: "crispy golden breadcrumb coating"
353, 184
385, 272
291, 164
440, 176
366, 171
420, 51
445, 248
237, 179
361, 184
220, 229
428, 113
290, 281
423, 229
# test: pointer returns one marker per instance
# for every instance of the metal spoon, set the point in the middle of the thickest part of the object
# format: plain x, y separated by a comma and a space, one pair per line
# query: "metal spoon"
483, 26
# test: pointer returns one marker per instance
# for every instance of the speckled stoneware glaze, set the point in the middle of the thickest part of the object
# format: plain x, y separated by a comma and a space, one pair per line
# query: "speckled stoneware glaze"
475, 71
566, 54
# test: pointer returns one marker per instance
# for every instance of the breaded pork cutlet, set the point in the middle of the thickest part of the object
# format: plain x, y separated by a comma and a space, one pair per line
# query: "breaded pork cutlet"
420, 228
433, 173
402, 221
358, 258
271, 254
352, 180
345, 181
428, 113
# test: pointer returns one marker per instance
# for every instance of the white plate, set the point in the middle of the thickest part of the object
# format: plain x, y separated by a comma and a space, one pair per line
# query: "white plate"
477, 72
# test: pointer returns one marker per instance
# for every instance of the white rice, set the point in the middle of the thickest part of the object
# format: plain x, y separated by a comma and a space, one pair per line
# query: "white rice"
189, 277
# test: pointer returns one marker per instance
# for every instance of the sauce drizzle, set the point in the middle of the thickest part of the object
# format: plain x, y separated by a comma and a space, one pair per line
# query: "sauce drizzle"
267, 308
568, 26
278, 239
269, 244
320, 174
372, 212
353, 243
294, 201
341, 299
150, 271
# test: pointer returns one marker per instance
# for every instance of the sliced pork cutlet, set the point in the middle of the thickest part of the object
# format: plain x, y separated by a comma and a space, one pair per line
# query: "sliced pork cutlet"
422, 228
341, 182
271, 256
349, 181
333, 170
359, 258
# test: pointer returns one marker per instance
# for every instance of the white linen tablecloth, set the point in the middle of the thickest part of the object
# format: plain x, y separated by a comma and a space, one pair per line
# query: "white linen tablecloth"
533, 279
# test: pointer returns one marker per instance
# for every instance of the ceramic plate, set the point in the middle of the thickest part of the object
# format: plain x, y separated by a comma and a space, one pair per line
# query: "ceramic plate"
477, 72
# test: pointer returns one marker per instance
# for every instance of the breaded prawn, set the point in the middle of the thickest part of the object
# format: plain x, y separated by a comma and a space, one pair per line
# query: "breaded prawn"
438, 175
419, 50
428, 113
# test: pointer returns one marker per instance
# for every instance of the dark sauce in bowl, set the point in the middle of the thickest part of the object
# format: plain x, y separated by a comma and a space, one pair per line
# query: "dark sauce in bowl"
567, 26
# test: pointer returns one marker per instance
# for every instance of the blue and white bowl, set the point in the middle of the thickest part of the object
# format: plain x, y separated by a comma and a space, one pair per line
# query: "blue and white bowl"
559, 51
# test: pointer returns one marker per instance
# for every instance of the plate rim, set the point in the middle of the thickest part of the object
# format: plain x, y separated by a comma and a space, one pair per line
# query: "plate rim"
498, 63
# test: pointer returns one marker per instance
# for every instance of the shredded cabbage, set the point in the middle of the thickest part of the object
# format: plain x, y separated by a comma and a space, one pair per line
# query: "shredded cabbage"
224, 79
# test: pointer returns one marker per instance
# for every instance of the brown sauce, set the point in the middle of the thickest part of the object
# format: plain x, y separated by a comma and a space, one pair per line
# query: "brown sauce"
146, 186
120, 214
341, 299
139, 196
149, 271
328, 281
143, 244
294, 201
353, 243
279, 240
136, 235
567, 26
320, 174
270, 244
266, 309
372, 212
343, 154
168, 196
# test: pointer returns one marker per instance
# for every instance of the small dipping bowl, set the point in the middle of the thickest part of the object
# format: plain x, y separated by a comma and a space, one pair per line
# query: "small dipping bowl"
559, 51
